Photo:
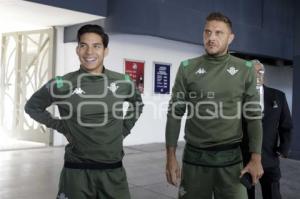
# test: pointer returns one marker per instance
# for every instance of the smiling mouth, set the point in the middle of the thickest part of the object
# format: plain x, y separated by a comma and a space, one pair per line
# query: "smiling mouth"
90, 60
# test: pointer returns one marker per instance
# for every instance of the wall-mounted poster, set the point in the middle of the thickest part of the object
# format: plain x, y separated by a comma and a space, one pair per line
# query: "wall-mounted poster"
161, 77
135, 69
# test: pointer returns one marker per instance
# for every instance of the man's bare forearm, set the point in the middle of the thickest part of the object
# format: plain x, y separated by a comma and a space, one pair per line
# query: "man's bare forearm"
171, 152
256, 157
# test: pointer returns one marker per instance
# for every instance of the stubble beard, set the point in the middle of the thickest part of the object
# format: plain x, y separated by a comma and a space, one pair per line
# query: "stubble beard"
220, 52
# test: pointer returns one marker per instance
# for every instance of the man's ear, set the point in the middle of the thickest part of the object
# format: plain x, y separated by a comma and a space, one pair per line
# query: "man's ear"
77, 50
231, 37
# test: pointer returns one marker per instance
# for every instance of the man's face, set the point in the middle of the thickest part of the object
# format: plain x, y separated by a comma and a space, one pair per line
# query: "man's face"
91, 52
216, 38
259, 69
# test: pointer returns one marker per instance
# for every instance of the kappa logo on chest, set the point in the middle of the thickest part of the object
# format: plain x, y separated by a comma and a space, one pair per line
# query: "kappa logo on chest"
78, 91
201, 71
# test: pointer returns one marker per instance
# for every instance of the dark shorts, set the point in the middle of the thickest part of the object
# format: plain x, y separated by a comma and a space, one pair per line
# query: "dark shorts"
93, 184
211, 173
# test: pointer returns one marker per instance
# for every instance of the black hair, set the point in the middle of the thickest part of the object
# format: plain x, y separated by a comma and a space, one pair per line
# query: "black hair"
217, 16
93, 28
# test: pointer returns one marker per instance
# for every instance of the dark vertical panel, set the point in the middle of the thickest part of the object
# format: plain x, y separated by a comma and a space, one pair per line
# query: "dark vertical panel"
181, 23
296, 84
244, 13
133, 16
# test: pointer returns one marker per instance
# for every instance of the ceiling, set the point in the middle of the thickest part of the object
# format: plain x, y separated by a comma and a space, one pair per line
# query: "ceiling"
19, 15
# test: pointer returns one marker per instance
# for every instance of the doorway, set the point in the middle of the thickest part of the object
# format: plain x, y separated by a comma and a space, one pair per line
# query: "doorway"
26, 64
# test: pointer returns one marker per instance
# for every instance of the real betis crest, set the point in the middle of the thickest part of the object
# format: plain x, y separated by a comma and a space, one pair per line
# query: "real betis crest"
232, 70
113, 87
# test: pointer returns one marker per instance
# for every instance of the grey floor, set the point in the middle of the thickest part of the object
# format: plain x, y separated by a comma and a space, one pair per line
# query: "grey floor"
34, 173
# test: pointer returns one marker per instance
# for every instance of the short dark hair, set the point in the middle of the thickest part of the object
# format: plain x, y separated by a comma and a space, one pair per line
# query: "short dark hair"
217, 16
93, 28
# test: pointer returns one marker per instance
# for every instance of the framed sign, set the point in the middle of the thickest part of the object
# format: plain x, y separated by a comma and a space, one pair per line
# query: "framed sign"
161, 77
135, 69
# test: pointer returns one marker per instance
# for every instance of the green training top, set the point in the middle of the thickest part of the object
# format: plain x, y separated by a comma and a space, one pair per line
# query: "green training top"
216, 91
91, 110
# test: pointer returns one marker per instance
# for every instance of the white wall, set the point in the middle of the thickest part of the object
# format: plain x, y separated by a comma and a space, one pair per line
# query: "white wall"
0, 46
1, 82
151, 125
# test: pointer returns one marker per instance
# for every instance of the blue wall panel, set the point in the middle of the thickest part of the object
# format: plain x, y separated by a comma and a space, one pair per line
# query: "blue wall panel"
262, 27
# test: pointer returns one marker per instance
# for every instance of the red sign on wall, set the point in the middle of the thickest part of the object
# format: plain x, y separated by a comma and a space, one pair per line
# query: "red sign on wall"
135, 69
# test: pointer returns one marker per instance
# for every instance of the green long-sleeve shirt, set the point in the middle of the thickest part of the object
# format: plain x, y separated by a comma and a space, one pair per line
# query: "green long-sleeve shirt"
91, 107
216, 91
